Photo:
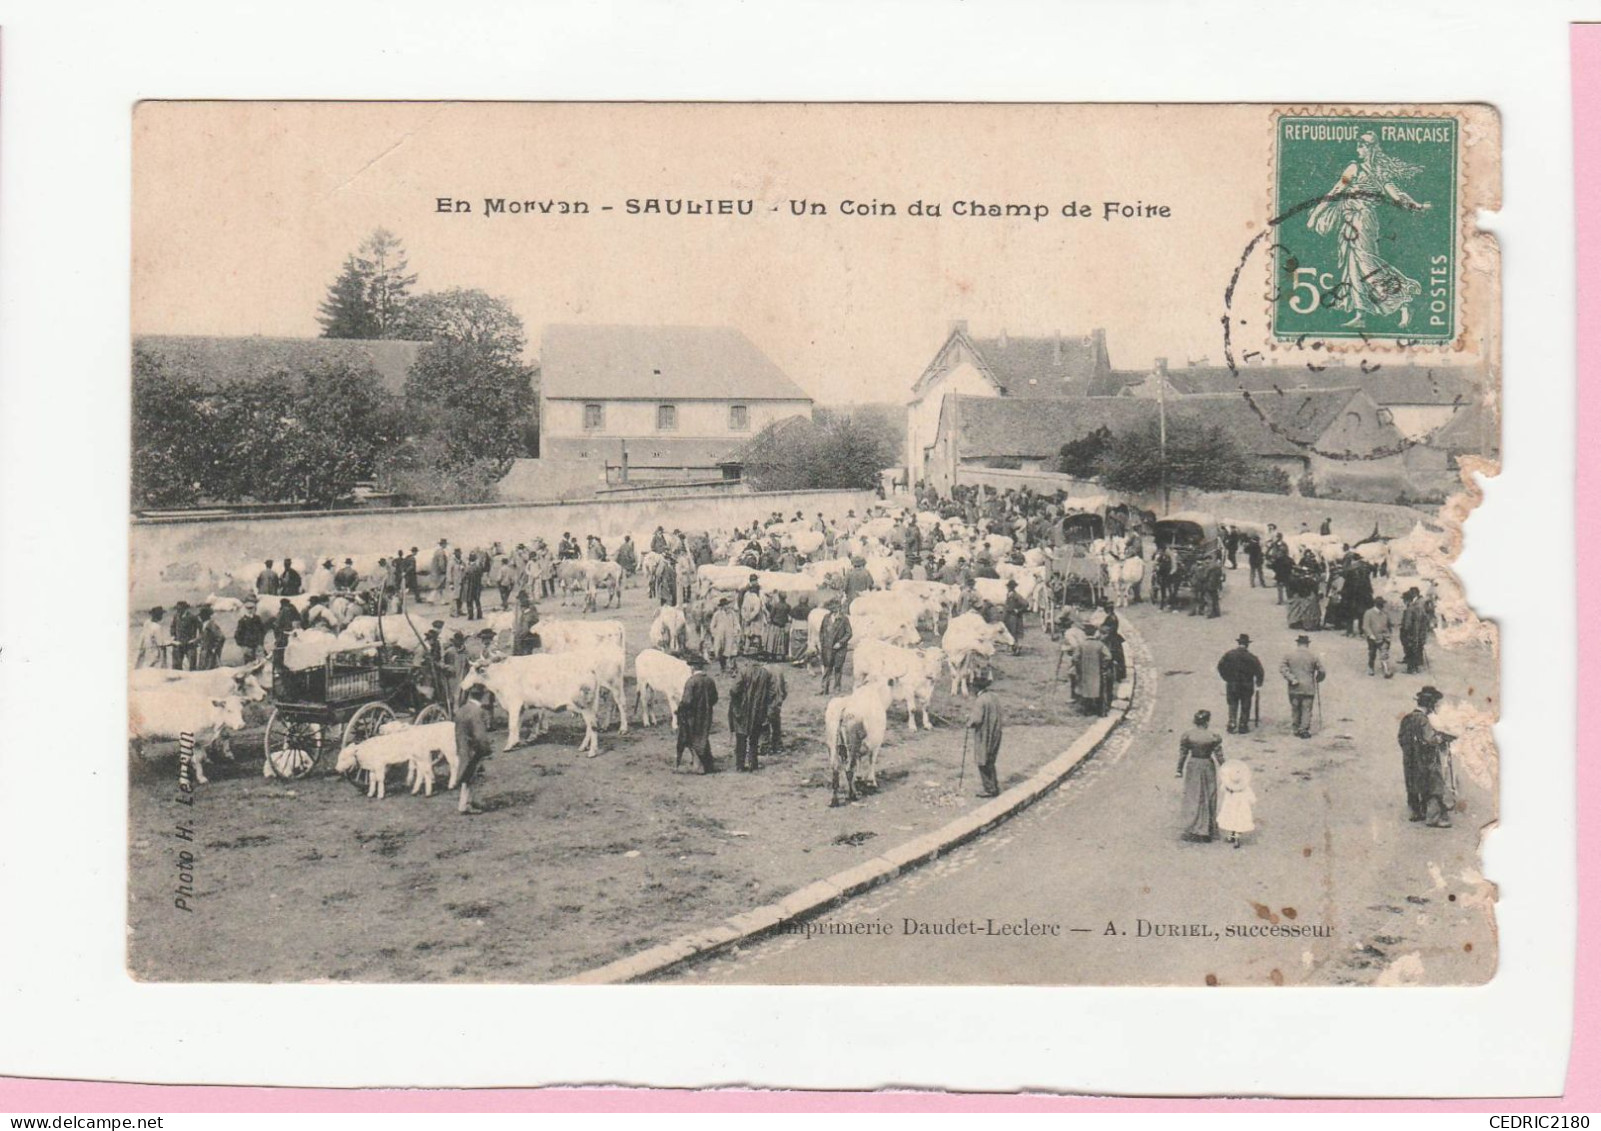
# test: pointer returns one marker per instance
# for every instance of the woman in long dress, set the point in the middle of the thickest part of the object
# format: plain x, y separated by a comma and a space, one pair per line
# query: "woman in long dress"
1369, 284
1200, 754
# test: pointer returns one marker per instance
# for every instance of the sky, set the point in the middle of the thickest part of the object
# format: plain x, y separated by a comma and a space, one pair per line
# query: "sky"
244, 213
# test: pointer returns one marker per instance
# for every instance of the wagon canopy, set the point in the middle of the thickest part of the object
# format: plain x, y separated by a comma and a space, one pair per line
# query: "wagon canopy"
1186, 529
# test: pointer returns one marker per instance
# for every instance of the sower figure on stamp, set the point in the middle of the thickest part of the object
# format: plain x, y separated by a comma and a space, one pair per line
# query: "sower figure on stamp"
1425, 762
1242, 677
1302, 672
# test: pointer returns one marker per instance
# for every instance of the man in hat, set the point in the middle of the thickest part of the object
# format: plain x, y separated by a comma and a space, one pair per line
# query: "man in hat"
1012, 614
289, 580
695, 712
250, 633
185, 633
409, 568
267, 580
525, 640
1376, 629
480, 646
473, 747
152, 641
348, 579
723, 633
453, 658
750, 703
752, 616
438, 568
1414, 630
1242, 678
985, 723
1302, 672
1424, 759
833, 643
857, 580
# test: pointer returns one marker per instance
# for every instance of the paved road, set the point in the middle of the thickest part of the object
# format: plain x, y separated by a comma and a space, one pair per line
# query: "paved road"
1076, 889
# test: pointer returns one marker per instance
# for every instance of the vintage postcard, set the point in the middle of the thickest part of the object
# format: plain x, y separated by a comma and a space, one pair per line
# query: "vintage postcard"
811, 543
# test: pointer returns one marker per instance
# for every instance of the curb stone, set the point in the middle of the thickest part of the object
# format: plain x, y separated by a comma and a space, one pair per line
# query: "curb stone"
837, 888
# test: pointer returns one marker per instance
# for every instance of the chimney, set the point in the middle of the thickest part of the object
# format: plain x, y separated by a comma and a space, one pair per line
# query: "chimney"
1161, 366
959, 326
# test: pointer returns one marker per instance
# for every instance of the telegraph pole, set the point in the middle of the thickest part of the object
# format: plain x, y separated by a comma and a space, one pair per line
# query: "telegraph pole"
1161, 417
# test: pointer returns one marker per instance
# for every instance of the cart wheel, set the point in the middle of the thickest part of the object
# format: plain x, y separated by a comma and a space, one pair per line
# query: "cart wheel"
365, 722
292, 746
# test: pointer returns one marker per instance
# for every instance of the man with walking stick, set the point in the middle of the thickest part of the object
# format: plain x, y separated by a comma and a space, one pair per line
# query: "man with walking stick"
1303, 672
985, 723
1242, 676
1426, 764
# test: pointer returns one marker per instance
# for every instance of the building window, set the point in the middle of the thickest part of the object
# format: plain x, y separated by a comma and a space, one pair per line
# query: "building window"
666, 418
738, 418
594, 417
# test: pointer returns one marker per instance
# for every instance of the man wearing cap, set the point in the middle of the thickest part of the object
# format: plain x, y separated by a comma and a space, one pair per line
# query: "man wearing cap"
1424, 753
1242, 677
1376, 629
250, 633
1414, 630
833, 642
1302, 672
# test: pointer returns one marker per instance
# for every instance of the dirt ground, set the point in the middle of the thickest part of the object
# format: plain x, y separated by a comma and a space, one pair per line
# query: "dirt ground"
576, 862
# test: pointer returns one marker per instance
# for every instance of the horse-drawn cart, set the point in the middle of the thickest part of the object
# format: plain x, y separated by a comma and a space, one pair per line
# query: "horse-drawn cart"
347, 698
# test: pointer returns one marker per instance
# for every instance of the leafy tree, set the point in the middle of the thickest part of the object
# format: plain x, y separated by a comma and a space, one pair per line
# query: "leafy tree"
834, 452
1198, 455
369, 298
1082, 457
470, 383
170, 457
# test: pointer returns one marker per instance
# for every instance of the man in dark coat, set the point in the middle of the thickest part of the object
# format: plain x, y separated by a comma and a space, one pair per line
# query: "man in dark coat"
695, 712
985, 723
1012, 615
185, 636
1425, 758
857, 580
267, 579
289, 580
211, 640
1414, 630
1242, 677
525, 636
472, 745
249, 633
833, 643
750, 702
1253, 558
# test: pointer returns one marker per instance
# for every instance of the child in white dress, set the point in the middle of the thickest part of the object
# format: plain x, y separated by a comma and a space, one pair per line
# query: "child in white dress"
1234, 806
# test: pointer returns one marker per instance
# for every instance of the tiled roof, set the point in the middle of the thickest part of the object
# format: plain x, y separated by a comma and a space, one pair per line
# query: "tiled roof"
1008, 427
1472, 431
214, 361
1387, 384
1054, 366
649, 362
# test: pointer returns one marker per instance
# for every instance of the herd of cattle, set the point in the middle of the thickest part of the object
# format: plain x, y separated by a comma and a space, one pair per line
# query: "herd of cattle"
582, 662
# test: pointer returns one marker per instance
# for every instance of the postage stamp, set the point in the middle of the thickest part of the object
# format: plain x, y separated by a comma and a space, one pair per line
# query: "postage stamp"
1367, 238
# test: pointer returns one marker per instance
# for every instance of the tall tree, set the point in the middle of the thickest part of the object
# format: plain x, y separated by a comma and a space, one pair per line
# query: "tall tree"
470, 382
369, 298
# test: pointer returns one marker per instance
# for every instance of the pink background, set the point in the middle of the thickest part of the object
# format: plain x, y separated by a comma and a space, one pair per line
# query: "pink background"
1583, 1091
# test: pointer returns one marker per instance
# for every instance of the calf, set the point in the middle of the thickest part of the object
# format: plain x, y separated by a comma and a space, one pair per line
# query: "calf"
166, 714
909, 672
413, 747
657, 671
544, 682
855, 725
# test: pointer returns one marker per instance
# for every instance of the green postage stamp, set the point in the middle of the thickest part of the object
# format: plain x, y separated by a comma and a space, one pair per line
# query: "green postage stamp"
1366, 245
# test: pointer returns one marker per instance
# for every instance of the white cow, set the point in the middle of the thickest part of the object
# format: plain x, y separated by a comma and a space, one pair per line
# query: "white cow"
855, 725
309, 647
243, 682
657, 671
165, 714
544, 682
221, 604
568, 635
412, 747
909, 672
829, 571
401, 629
668, 631
874, 626
966, 637
1124, 577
